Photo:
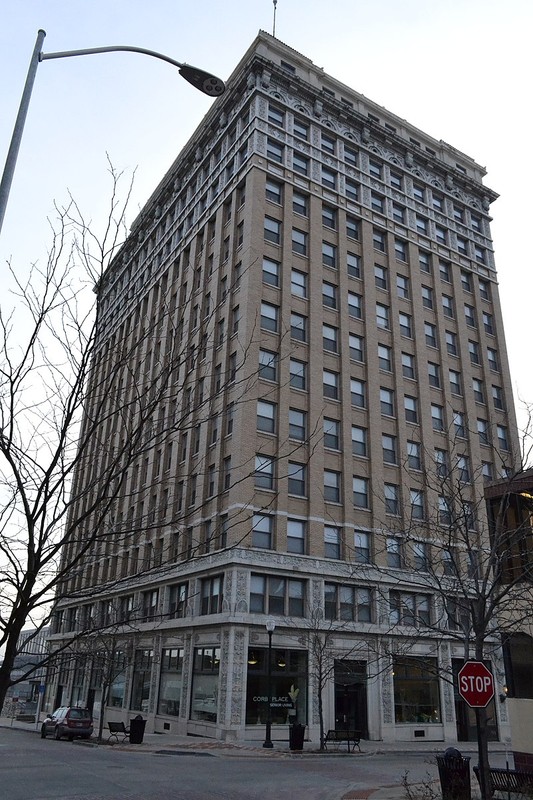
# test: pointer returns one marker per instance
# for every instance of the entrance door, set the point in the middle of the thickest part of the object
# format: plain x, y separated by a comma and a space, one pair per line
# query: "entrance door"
350, 696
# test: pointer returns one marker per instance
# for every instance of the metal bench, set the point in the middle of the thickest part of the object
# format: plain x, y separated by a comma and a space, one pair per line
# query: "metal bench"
509, 780
117, 729
351, 737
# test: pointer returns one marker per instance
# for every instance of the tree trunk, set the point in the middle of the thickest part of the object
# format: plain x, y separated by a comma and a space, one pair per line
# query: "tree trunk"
483, 753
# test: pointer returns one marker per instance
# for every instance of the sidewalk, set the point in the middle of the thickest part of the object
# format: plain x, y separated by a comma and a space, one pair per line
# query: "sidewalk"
169, 744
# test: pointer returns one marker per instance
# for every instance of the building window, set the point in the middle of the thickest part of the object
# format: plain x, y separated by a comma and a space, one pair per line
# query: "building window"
353, 265
480, 254
272, 594
414, 459
170, 682
329, 178
424, 261
357, 393
409, 609
437, 417
299, 242
205, 688
297, 424
484, 289
262, 531
297, 374
488, 323
441, 463
402, 287
492, 358
385, 357
379, 240
272, 230
360, 492
416, 682
300, 128
347, 603
417, 504
447, 306
352, 228
328, 143
150, 602
300, 204
411, 409
375, 169
380, 276
297, 477
300, 163
434, 374
459, 424
329, 295
438, 202
408, 366
477, 388
298, 327
430, 332
463, 469
406, 325
440, 234
390, 448
361, 547
395, 180
351, 189
377, 202
503, 438
398, 213
178, 597
275, 115
355, 305
356, 345
211, 595
418, 193
422, 225
268, 365
359, 441
296, 535
350, 156
473, 349
382, 316
391, 493
445, 271
329, 217
142, 674
455, 381
298, 283
269, 317
332, 541
329, 255
273, 191
331, 384
427, 297
445, 511
470, 316
264, 472
332, 486
331, 433
266, 416
394, 552
271, 272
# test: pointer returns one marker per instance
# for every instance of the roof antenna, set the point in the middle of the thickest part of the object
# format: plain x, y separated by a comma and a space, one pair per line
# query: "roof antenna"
274, 23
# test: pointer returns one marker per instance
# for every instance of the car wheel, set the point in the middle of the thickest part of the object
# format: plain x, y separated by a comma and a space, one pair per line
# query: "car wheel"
43, 731
57, 733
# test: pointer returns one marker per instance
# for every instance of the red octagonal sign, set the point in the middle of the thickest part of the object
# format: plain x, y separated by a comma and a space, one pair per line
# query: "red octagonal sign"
476, 684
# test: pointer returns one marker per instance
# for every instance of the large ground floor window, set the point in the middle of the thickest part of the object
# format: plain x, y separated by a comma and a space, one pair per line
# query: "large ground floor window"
142, 672
416, 691
204, 702
289, 686
170, 681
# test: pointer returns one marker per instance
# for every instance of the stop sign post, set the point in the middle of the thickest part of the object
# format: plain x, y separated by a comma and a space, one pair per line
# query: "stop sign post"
476, 684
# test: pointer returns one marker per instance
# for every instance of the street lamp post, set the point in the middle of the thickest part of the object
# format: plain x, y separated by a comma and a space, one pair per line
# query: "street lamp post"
270, 625
203, 81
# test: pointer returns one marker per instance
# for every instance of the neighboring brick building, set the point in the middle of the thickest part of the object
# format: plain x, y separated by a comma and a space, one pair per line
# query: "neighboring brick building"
330, 269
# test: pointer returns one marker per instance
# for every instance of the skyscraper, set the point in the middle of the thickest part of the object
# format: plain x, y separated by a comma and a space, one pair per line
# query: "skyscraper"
303, 337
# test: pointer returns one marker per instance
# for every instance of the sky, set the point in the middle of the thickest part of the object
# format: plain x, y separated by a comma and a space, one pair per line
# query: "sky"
459, 70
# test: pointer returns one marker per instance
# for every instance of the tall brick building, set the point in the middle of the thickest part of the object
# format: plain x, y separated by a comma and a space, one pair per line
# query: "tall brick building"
325, 271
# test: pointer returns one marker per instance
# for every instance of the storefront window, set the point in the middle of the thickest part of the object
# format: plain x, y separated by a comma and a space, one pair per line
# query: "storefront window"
205, 684
416, 691
142, 671
170, 682
289, 686
118, 680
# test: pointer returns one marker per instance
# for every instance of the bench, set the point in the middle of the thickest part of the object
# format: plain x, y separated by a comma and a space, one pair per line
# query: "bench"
351, 737
117, 729
509, 780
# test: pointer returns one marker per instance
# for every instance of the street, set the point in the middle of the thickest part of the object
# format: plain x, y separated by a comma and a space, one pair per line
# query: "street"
36, 769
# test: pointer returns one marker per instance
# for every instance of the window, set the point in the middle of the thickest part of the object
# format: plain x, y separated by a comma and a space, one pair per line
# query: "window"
420, 556
424, 261
329, 178
386, 399
269, 317
445, 271
470, 315
347, 603
331, 384
332, 486
427, 296
459, 425
483, 431
299, 242
300, 204
394, 552
298, 283
142, 671
296, 535
300, 128
329, 255
272, 594
266, 416
402, 287
414, 458
411, 408
355, 305
297, 478
455, 381
359, 441
488, 323
356, 345
379, 240
479, 394
475, 222
351, 189
297, 424
390, 449
503, 438
272, 230
298, 327
408, 366
430, 332
410, 609
463, 468
332, 541
262, 531
406, 325
271, 272
418, 193
380, 276
353, 264
297, 374
392, 498
480, 254
484, 289
264, 472
211, 595
332, 429
328, 143
447, 306
357, 392
275, 115
451, 343
360, 491
492, 358
377, 202
437, 417
466, 281
487, 471
440, 234
422, 225
442, 466
382, 316
374, 168
398, 213
273, 191
385, 358
329, 295
178, 601
350, 156
473, 349
329, 217
352, 228
462, 245
300, 163
434, 374
445, 512
395, 180
361, 547
438, 202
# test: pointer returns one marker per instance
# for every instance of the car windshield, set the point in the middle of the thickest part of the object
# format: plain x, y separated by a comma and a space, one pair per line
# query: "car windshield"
79, 713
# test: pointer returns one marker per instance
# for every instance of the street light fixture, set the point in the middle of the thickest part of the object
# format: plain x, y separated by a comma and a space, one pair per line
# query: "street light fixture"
270, 625
203, 81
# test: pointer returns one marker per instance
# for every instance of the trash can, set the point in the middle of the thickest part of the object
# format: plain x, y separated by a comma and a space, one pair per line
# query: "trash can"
137, 726
454, 774
296, 736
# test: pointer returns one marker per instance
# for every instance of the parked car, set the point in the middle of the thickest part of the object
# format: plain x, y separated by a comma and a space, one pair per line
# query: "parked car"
69, 721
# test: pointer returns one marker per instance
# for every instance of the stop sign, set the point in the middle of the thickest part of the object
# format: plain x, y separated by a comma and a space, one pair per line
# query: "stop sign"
476, 684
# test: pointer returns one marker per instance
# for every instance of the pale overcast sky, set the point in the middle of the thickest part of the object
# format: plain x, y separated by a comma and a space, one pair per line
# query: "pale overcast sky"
458, 69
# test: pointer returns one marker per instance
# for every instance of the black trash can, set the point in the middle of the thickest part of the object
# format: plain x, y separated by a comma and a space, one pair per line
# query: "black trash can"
296, 736
454, 774
137, 726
